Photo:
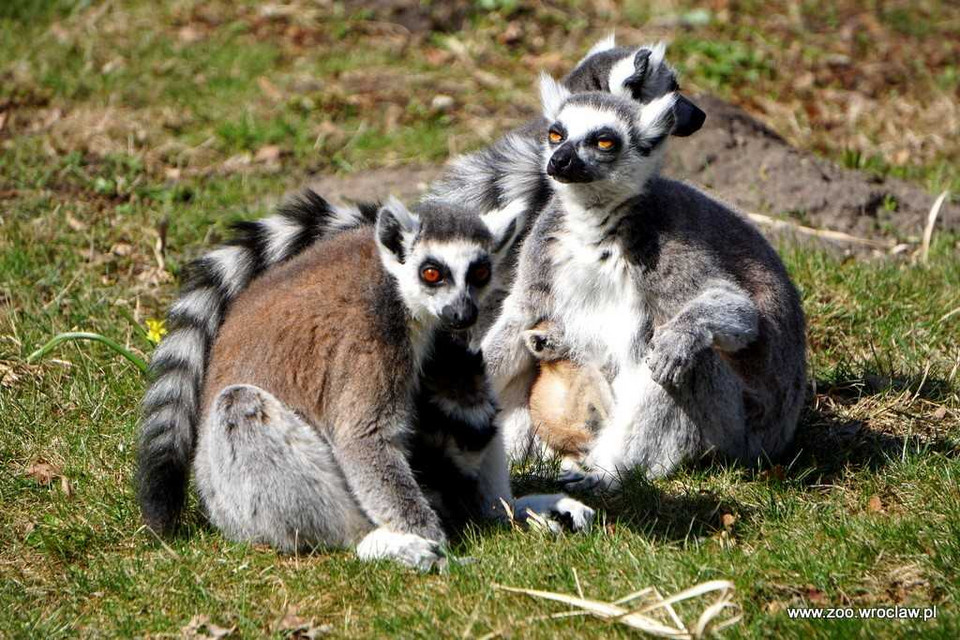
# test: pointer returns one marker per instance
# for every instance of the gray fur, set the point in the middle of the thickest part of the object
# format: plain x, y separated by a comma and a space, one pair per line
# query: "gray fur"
678, 297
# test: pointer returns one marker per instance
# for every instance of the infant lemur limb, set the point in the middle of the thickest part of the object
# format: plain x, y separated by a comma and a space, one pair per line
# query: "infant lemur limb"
679, 297
570, 402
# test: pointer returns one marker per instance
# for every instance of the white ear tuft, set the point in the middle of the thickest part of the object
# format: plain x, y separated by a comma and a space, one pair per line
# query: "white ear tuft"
504, 224
396, 227
656, 117
609, 42
657, 53
552, 96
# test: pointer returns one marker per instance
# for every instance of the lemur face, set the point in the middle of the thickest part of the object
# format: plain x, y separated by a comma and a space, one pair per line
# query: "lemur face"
452, 278
597, 137
443, 259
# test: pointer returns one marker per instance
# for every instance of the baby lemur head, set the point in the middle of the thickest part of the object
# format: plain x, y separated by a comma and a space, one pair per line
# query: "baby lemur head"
443, 258
543, 342
602, 148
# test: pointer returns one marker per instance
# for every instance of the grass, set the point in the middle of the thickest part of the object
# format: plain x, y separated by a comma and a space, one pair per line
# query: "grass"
120, 116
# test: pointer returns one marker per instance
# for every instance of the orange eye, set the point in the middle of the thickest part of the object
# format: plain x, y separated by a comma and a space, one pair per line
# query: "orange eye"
431, 275
555, 137
605, 143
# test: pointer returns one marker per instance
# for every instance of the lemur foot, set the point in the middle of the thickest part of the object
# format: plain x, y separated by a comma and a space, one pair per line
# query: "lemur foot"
243, 405
671, 356
596, 481
571, 513
406, 548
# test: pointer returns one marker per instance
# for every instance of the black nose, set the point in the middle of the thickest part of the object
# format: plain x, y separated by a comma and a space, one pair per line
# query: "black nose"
460, 315
566, 166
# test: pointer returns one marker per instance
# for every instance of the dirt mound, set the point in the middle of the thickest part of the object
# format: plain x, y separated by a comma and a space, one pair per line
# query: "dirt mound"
746, 164
750, 166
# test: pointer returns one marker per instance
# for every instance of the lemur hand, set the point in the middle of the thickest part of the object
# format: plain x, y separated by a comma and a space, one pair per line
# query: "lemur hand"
671, 354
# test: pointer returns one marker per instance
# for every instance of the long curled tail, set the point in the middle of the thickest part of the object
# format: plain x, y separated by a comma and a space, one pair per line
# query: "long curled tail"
171, 406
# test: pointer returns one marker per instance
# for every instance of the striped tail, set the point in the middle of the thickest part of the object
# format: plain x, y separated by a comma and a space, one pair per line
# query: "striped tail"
171, 407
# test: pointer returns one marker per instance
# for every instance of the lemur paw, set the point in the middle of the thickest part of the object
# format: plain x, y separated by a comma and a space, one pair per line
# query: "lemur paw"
573, 514
597, 481
671, 356
406, 548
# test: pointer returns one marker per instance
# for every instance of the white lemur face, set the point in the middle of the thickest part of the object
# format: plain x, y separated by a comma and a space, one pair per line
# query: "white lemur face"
444, 260
609, 142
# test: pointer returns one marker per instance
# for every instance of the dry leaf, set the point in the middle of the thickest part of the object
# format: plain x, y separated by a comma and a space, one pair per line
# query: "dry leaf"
66, 486
269, 89
200, 628
74, 224
293, 626
189, 35
122, 249
269, 153
874, 505
814, 595
43, 472
728, 519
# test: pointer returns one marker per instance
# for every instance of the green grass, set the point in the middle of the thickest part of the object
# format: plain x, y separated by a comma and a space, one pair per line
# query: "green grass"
118, 119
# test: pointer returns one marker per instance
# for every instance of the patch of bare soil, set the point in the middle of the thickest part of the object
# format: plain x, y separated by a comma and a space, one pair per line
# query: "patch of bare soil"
746, 164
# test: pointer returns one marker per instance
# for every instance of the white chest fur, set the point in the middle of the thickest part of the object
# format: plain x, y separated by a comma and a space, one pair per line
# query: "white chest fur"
596, 301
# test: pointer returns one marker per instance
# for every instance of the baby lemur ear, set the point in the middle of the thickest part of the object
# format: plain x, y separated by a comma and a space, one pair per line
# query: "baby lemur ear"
504, 225
689, 117
552, 96
397, 227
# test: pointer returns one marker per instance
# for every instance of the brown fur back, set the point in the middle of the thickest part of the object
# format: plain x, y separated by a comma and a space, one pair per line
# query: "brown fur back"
325, 333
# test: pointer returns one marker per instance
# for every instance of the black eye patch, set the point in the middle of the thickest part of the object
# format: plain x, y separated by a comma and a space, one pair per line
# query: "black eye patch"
479, 273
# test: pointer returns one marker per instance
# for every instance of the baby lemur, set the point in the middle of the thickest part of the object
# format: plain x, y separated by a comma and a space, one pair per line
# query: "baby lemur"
309, 401
685, 304
569, 401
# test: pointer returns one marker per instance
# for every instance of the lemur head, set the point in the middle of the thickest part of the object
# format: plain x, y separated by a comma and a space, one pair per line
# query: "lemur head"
602, 148
444, 258
639, 73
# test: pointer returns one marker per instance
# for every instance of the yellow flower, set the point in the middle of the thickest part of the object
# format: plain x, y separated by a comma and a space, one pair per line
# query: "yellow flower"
156, 329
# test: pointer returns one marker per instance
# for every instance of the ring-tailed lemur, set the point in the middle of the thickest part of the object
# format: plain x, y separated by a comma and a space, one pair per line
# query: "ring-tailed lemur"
679, 297
508, 172
310, 400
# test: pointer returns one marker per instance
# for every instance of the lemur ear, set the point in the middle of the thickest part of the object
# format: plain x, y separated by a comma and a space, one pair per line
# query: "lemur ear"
396, 227
552, 96
689, 117
609, 42
504, 225
628, 76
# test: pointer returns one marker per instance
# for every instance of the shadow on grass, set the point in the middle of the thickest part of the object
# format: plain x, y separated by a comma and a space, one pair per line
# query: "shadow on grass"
838, 433
831, 441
